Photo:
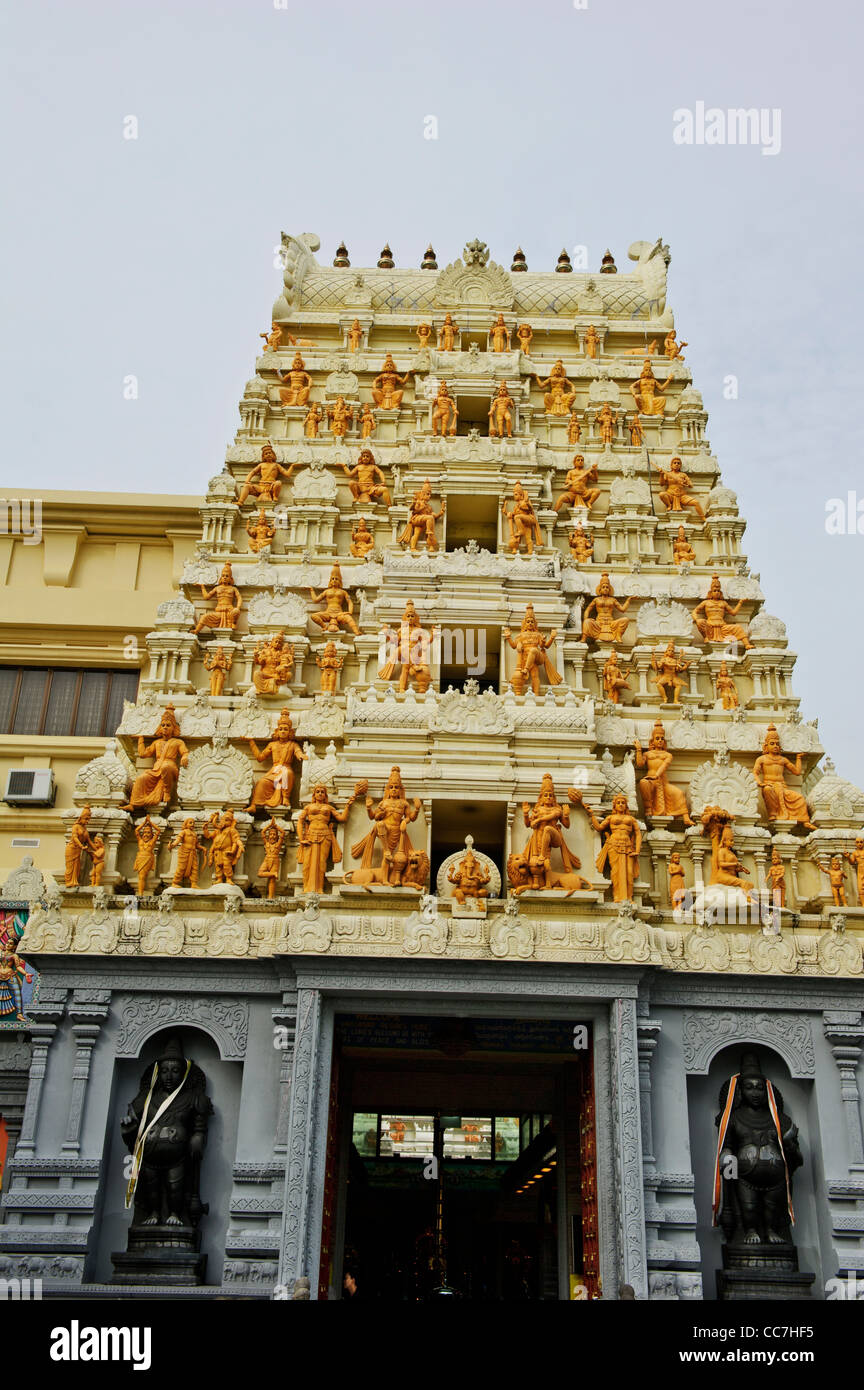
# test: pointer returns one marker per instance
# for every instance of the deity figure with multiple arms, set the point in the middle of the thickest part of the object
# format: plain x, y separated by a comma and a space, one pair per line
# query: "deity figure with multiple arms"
667, 674
581, 544
329, 663
340, 417
614, 678
501, 413
273, 338
312, 423
726, 868
164, 1182
648, 393
469, 876
156, 786
532, 867
264, 481
591, 341
447, 334
366, 421
578, 493
619, 857
574, 429
525, 335
147, 835
757, 1153
604, 627
531, 658
275, 787
338, 606
272, 664
637, 434
420, 525
391, 817
606, 420
273, 835
260, 532
225, 847
13, 971
363, 480
682, 551
856, 857
725, 688
676, 496
80, 842
388, 388
408, 649
297, 383
781, 802
776, 875
714, 627
355, 336
445, 412
362, 540
188, 845
522, 521
499, 335
677, 891
659, 797
424, 333
561, 393
228, 603
672, 348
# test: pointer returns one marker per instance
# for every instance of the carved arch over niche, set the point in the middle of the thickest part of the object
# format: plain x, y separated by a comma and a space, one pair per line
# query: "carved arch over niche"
226, 1021
705, 1032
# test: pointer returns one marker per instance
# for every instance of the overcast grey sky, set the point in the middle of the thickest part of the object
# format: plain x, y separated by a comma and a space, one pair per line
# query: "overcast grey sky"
155, 256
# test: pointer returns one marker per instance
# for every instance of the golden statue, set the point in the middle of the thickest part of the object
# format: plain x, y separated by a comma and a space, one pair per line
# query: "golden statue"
647, 393
272, 339
637, 434
776, 876
362, 480
672, 347
532, 868
714, 627
420, 525
188, 846
835, 875
408, 648
574, 429
228, 603
650, 350
340, 417
386, 391
726, 690
97, 860
260, 532
856, 857
677, 891
676, 484
581, 544
156, 786
272, 664
145, 860
591, 341
447, 334
522, 521
499, 335
391, 817
225, 847
619, 857
273, 835
297, 383
561, 393
366, 421
218, 661
682, 551
525, 334
424, 333
338, 606
275, 787
501, 413
781, 802
531, 648
659, 797
445, 412
578, 493
726, 868
470, 878
355, 336
316, 837
329, 663
614, 678
312, 423
667, 674
79, 842
264, 481
605, 627
362, 540
606, 420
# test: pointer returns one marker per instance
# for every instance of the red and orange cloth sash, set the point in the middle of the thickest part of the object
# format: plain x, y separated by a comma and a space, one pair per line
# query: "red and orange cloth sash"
724, 1125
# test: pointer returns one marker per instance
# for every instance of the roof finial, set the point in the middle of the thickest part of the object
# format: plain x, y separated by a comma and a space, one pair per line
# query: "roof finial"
564, 267
429, 262
341, 258
607, 265
519, 261
385, 260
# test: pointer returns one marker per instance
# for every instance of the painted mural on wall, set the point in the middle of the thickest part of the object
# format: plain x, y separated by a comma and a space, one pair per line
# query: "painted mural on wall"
19, 982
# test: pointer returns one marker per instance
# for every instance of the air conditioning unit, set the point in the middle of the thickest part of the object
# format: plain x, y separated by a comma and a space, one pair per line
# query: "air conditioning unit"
30, 787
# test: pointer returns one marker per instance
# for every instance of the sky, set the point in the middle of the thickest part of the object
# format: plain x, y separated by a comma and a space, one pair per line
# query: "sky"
154, 257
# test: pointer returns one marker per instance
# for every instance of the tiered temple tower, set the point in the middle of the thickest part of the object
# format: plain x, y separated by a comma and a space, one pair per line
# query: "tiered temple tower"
469, 695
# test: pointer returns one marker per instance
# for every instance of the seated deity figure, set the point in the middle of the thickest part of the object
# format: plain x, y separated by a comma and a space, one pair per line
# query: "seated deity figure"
228, 603
447, 334
682, 551
501, 413
469, 876
561, 393
781, 802
391, 818
648, 393
604, 627
531, 649
522, 522
272, 664
757, 1153
668, 670
408, 649
275, 787
264, 481
388, 386
659, 796
578, 493
676, 495
420, 526
619, 857
340, 417
581, 544
726, 868
156, 786
297, 383
672, 348
714, 627
363, 480
260, 532
338, 606
273, 338
532, 867
362, 540
445, 412
499, 335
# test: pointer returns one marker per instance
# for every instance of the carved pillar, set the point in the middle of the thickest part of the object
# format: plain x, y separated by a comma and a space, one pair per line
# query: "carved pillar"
627, 1134
285, 1017
845, 1034
648, 1035
297, 1214
87, 1017
42, 1034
